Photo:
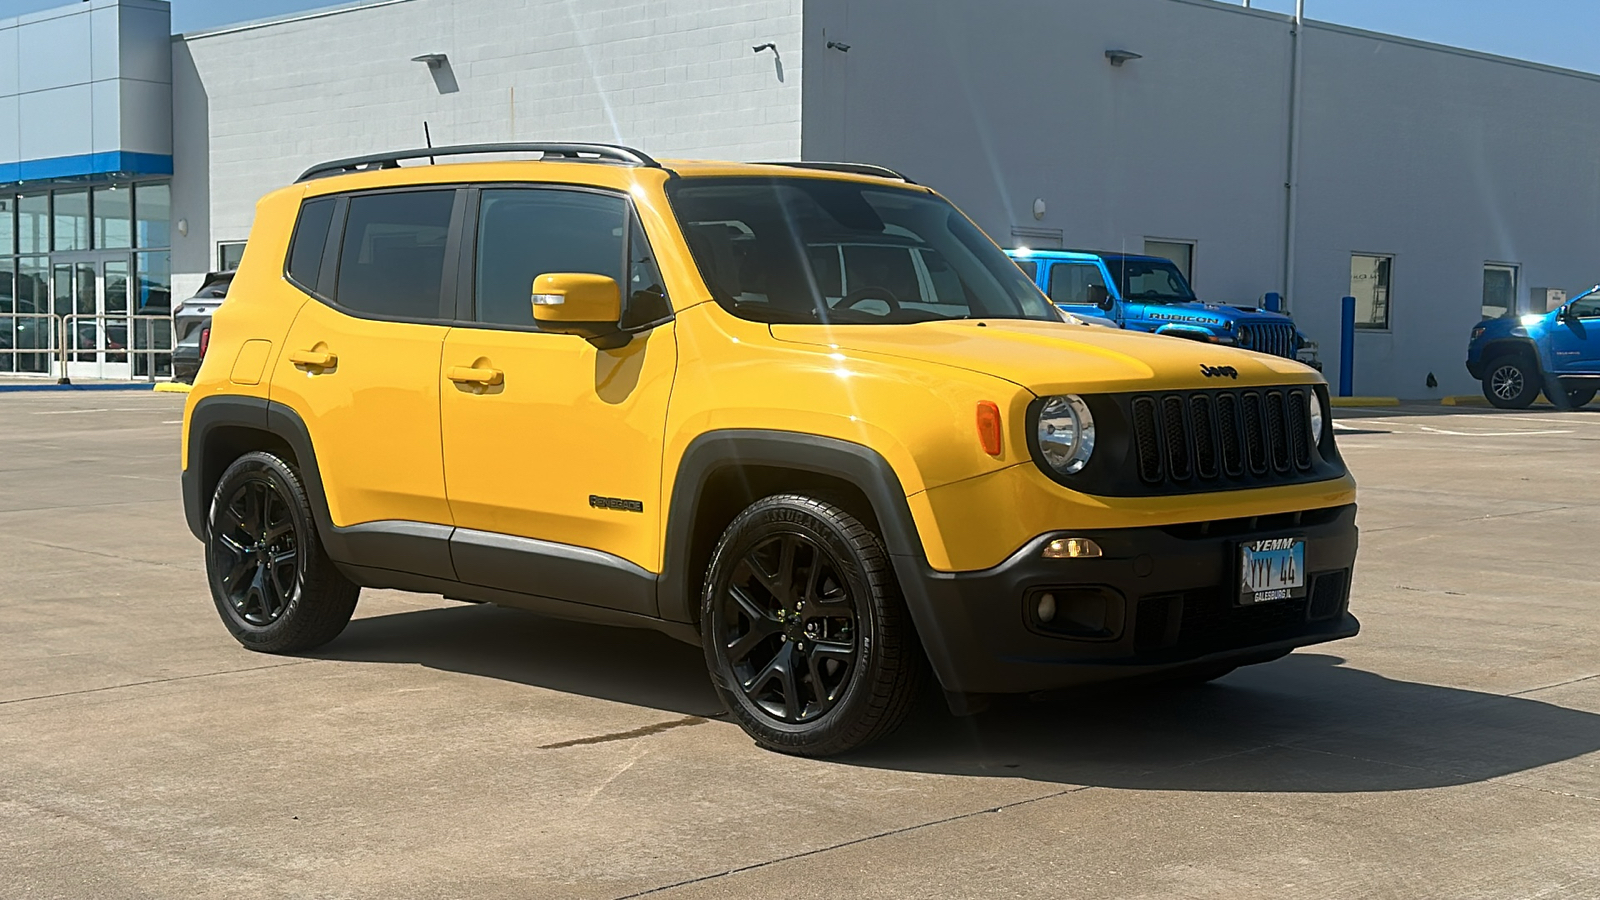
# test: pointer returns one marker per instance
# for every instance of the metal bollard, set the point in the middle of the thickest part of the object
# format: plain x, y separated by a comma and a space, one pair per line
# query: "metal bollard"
1347, 346
1273, 302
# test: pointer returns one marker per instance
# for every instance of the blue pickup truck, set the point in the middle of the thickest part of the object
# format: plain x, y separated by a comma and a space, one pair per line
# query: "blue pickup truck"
1148, 293
1557, 352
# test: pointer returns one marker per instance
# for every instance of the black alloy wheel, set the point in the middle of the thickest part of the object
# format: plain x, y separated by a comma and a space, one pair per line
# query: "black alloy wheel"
272, 583
789, 628
806, 635
258, 550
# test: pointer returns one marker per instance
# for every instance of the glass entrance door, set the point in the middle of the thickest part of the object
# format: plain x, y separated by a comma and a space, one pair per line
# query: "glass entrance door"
90, 293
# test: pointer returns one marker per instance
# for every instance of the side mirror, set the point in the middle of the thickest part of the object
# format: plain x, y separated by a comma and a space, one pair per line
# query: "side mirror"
1099, 296
589, 306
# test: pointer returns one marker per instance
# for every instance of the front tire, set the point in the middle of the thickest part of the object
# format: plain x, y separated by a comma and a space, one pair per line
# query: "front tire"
272, 583
1511, 382
805, 632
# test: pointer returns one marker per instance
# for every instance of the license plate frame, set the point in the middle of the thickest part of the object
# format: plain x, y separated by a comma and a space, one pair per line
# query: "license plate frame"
1271, 570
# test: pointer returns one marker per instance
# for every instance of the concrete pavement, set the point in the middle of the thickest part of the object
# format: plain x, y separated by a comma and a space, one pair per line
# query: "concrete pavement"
445, 750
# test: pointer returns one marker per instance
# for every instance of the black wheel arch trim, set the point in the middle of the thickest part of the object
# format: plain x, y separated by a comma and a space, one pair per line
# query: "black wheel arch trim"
1507, 347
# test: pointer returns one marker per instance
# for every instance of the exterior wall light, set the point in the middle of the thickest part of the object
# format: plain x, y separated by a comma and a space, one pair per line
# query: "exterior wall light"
1118, 57
434, 60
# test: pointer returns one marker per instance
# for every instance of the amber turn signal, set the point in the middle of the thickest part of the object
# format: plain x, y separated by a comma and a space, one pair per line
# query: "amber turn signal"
989, 427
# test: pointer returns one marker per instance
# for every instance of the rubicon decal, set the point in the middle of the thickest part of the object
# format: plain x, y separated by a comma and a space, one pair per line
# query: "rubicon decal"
1219, 371
616, 503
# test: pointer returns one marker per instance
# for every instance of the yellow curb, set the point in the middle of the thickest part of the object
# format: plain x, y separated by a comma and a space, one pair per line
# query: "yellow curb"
1479, 400
1365, 401
173, 387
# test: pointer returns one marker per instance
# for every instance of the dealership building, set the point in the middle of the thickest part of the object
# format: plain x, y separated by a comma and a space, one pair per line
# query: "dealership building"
1436, 185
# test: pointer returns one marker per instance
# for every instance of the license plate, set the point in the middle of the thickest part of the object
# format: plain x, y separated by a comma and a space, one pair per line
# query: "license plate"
1273, 569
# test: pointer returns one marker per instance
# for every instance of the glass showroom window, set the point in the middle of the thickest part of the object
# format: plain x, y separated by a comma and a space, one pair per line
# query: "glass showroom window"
152, 297
113, 217
152, 204
33, 223
8, 225
1499, 290
71, 220
1369, 284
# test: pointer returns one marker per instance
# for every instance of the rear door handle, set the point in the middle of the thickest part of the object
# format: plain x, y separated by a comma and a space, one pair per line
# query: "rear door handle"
316, 359
475, 375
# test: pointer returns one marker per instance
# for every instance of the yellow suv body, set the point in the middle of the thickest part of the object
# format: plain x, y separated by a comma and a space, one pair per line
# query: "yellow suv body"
805, 415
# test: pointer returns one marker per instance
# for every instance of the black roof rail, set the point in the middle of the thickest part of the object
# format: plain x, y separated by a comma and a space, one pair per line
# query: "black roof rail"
852, 168
609, 153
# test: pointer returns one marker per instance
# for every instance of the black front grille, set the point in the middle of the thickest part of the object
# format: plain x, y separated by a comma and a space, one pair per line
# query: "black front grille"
1211, 437
1273, 338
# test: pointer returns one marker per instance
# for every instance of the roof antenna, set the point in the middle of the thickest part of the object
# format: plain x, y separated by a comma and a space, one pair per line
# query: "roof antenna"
428, 136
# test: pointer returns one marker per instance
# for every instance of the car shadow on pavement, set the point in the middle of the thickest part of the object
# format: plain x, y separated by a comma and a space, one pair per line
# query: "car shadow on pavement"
1306, 723
642, 668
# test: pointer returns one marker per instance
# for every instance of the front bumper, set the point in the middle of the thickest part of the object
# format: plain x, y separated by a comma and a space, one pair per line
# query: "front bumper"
1168, 595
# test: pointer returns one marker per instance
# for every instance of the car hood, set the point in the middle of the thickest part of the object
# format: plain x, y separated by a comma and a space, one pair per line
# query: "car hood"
1052, 357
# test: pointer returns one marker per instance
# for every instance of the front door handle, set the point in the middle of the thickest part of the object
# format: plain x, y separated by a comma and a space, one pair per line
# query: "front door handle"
315, 359
475, 375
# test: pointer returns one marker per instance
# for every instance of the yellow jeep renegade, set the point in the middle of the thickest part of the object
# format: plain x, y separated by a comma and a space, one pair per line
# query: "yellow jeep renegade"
805, 415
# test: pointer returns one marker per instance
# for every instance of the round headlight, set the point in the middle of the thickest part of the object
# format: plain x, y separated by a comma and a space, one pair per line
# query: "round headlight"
1316, 418
1066, 434
1246, 336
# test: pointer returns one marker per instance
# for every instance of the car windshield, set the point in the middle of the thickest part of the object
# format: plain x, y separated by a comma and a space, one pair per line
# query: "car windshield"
1149, 280
814, 250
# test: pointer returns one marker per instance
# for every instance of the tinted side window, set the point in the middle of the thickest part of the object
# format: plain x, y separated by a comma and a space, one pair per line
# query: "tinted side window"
310, 236
392, 261
1028, 267
647, 292
524, 233
1069, 282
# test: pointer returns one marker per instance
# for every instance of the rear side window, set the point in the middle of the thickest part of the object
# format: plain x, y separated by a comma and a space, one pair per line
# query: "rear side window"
310, 237
524, 233
392, 260
1028, 267
1070, 282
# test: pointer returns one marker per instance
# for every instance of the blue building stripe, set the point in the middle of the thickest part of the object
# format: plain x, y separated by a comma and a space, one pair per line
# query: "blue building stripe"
86, 165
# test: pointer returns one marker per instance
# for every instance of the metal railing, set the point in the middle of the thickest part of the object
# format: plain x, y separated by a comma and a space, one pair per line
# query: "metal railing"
117, 339
32, 343
59, 346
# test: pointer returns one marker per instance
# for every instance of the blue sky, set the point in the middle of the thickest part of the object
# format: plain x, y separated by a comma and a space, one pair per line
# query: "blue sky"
1558, 32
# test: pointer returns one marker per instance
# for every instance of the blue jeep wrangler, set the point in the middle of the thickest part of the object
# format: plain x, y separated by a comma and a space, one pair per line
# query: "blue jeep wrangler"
1148, 293
1557, 352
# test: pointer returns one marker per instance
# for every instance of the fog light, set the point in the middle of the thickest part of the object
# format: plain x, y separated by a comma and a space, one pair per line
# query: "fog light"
1047, 608
1072, 548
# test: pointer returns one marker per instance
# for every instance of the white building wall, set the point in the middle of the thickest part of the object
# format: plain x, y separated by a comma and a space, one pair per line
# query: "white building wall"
1445, 158
256, 105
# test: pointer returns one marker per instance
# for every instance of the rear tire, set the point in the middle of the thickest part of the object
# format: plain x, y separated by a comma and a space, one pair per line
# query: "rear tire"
806, 635
272, 583
1511, 382
1578, 398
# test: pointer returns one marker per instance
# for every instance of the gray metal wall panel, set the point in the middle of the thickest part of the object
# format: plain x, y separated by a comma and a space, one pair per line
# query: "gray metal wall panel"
9, 149
9, 61
146, 44
105, 40
54, 52
146, 119
69, 113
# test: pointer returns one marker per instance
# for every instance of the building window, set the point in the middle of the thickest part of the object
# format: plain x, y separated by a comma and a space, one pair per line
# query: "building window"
229, 253
1370, 277
8, 225
152, 206
33, 223
71, 220
113, 217
1499, 290
1180, 252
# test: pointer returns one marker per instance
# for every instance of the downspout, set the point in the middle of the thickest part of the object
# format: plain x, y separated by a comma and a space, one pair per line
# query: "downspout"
1292, 184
